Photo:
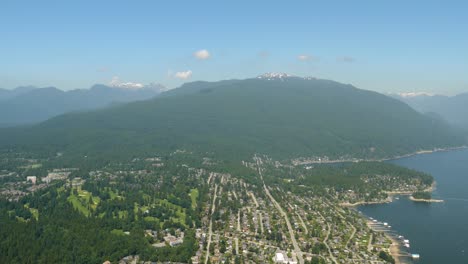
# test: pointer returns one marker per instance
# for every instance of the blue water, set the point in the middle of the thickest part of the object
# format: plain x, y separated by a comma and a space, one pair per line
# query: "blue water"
437, 231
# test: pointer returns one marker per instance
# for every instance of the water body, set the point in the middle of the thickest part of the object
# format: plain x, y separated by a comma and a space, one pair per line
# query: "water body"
437, 231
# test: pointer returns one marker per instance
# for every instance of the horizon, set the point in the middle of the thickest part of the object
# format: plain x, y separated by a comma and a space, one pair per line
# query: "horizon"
76, 45
139, 86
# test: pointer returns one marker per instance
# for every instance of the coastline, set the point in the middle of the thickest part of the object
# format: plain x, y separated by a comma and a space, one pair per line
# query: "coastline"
419, 152
391, 194
394, 249
425, 200
397, 250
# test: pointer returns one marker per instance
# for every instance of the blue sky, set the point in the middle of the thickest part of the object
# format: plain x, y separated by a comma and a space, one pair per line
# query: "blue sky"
387, 46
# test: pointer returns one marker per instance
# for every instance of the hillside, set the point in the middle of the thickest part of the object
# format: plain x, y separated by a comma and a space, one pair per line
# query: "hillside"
285, 117
454, 109
26, 105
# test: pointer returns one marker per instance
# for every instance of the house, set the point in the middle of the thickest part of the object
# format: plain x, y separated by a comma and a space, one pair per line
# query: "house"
31, 179
279, 258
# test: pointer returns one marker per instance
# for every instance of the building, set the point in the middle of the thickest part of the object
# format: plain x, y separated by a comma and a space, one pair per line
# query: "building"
31, 179
279, 258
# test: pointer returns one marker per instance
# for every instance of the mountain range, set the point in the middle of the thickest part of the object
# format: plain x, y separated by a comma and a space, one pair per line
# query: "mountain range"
453, 109
282, 116
28, 105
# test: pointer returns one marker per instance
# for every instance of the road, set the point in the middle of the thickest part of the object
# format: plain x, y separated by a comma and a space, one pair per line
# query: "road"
210, 229
303, 224
261, 222
351, 237
297, 250
326, 238
369, 243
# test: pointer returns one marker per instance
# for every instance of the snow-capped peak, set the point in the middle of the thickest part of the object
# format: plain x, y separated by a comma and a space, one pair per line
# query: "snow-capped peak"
414, 94
274, 76
116, 83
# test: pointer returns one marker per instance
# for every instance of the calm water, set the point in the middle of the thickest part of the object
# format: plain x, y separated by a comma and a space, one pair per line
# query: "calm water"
437, 231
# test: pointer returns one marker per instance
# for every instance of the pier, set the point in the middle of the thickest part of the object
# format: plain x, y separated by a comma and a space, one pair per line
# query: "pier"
400, 242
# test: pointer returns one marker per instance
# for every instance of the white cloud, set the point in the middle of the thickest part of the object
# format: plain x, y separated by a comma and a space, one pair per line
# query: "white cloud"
347, 59
202, 54
184, 75
306, 57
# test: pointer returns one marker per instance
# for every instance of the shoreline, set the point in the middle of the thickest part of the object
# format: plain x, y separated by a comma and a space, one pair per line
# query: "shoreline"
425, 200
394, 249
422, 152
391, 194
419, 152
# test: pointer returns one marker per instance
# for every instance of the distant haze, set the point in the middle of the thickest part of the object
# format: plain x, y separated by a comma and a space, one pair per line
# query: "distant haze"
27, 105
453, 109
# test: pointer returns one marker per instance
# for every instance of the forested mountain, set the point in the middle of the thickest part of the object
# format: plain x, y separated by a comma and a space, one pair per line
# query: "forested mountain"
25, 105
281, 116
454, 109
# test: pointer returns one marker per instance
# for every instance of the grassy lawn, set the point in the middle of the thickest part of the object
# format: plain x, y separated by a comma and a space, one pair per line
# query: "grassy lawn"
151, 219
123, 214
21, 219
34, 211
194, 197
112, 194
118, 232
75, 201
82, 201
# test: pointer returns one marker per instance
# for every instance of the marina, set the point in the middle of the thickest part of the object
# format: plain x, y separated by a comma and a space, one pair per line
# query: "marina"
436, 232
399, 242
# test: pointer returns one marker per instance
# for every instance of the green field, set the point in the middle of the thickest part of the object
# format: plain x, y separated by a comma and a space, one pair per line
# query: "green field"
33, 211
118, 232
194, 197
82, 201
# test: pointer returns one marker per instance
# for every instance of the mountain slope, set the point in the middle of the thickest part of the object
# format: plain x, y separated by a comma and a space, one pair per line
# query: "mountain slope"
8, 94
24, 106
454, 109
282, 117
